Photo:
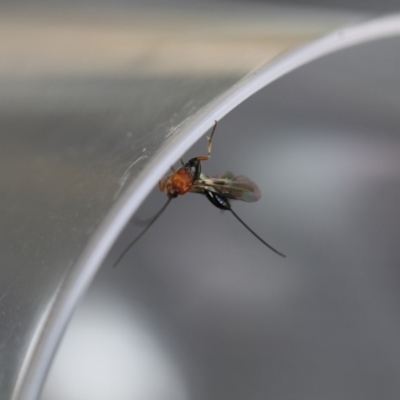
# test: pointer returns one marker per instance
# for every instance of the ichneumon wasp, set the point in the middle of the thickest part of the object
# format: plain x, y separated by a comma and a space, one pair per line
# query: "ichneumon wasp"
218, 190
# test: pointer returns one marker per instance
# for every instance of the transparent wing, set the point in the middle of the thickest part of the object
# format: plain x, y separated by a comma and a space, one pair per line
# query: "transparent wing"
230, 186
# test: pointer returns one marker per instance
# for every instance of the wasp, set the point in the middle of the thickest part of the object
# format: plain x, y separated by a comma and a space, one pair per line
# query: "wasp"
219, 190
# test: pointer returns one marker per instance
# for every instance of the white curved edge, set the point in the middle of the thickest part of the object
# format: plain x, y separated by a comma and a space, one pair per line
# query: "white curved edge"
50, 331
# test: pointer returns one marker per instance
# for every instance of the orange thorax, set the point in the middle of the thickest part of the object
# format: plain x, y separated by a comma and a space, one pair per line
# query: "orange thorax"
181, 180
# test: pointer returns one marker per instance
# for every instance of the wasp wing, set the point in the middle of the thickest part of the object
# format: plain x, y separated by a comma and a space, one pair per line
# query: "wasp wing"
229, 186
226, 175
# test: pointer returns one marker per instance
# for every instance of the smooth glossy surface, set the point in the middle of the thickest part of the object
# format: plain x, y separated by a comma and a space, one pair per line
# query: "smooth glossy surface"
87, 100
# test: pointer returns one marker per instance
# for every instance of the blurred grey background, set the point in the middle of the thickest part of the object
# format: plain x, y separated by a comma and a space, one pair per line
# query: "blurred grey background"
199, 308
380, 6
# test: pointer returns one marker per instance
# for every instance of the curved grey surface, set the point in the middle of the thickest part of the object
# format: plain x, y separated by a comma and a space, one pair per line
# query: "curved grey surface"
46, 223
199, 309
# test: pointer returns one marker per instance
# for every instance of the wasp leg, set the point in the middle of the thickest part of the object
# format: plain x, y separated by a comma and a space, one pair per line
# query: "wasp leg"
161, 185
209, 145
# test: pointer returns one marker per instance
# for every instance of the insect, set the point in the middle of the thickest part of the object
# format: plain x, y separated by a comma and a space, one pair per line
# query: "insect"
219, 190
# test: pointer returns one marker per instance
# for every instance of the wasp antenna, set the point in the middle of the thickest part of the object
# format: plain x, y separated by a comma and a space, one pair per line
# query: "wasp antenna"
255, 234
151, 222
